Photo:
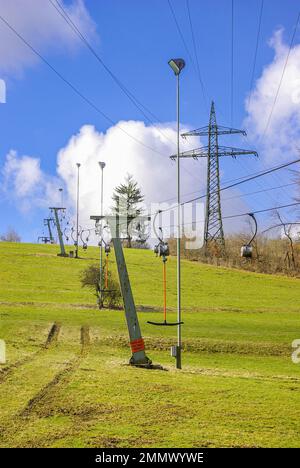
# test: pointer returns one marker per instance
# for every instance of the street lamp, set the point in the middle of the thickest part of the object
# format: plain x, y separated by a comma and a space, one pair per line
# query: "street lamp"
61, 190
102, 166
177, 65
77, 212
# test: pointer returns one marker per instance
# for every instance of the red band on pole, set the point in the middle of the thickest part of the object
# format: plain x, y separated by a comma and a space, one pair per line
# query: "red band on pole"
137, 345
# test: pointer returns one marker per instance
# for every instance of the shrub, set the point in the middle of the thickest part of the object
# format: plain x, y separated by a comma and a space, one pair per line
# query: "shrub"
112, 298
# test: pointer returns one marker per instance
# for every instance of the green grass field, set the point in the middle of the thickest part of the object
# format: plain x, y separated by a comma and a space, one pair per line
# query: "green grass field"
238, 386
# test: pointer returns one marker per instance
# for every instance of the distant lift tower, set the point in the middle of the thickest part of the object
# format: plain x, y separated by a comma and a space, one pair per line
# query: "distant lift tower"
213, 231
55, 211
47, 222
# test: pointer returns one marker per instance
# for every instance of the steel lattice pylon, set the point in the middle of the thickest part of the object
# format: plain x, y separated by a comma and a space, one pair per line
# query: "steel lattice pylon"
213, 231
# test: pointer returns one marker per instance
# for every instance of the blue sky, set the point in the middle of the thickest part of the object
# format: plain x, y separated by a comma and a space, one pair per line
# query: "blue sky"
136, 39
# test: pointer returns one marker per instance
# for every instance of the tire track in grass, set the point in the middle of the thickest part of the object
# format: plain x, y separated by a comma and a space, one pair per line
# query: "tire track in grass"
51, 340
37, 403
63, 376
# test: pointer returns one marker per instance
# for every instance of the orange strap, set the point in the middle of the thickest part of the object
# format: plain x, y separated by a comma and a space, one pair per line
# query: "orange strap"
165, 290
137, 345
106, 272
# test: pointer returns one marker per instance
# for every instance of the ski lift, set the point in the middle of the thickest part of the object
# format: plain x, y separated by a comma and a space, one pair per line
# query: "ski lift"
65, 234
247, 249
162, 250
85, 242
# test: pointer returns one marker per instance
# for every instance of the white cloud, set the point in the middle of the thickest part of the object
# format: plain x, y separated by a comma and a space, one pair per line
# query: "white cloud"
154, 171
25, 183
28, 185
282, 138
41, 25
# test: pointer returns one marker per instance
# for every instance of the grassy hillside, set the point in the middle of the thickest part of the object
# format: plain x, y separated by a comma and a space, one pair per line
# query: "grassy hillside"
238, 386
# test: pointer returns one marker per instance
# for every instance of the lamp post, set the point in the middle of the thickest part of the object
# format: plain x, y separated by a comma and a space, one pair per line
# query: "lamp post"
177, 65
77, 212
102, 166
61, 190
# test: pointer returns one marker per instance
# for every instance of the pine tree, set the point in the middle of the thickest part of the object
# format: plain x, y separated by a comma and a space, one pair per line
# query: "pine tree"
127, 198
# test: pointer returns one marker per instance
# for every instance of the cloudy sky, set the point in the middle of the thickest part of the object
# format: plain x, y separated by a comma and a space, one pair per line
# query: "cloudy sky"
47, 127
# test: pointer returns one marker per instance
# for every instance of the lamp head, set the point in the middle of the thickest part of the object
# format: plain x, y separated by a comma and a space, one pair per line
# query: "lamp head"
78, 165
177, 65
102, 164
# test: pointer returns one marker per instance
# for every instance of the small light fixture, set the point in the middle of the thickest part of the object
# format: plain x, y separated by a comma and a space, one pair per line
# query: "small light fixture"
177, 65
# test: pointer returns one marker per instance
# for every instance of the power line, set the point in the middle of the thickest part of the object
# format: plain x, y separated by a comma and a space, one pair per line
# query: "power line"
274, 176
196, 55
76, 90
269, 171
240, 195
240, 215
278, 225
231, 80
63, 13
263, 211
281, 78
197, 71
81, 95
259, 191
255, 52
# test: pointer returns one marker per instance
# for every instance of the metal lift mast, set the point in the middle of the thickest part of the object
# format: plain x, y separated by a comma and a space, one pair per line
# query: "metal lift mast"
55, 211
213, 231
47, 222
139, 357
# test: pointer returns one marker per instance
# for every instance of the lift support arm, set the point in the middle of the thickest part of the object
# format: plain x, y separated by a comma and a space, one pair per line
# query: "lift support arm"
139, 357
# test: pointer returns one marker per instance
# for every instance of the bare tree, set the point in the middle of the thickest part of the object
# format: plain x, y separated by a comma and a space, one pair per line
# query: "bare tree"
287, 232
10, 236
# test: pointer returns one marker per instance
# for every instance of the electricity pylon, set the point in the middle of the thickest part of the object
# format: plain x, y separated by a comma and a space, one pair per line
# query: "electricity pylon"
213, 230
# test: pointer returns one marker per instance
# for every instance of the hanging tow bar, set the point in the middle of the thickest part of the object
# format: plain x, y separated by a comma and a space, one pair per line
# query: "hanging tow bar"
107, 252
85, 242
247, 249
162, 250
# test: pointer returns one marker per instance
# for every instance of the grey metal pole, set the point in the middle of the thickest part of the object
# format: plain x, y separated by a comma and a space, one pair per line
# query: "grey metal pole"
77, 212
61, 190
102, 166
179, 340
